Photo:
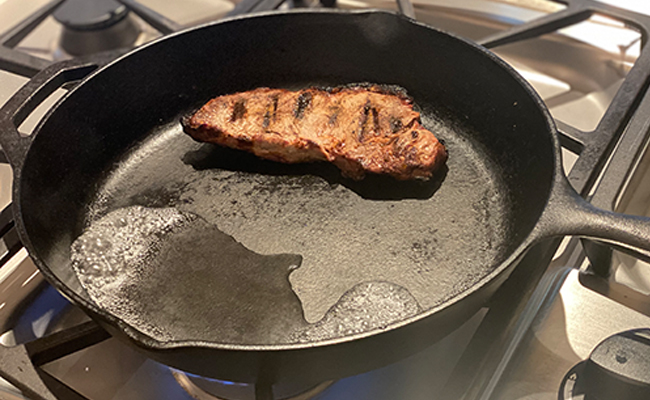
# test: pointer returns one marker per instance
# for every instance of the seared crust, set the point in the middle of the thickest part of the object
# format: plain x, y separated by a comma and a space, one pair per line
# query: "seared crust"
362, 128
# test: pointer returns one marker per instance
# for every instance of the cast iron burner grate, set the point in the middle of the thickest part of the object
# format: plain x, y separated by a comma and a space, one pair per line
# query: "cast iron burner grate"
613, 147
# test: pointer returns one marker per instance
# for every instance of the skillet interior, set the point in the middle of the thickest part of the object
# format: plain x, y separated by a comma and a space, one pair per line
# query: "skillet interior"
115, 142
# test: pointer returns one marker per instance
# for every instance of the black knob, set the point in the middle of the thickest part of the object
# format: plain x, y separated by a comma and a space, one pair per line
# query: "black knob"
617, 369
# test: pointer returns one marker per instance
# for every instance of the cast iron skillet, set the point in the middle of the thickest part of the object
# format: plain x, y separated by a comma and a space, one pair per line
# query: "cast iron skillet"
115, 140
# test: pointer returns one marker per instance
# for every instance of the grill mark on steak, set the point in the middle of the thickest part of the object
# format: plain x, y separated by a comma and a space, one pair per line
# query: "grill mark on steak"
375, 119
271, 111
363, 122
267, 120
275, 98
302, 103
360, 129
238, 110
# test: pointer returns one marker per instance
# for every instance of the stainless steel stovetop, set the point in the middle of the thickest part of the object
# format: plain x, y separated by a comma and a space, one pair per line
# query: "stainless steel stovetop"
522, 345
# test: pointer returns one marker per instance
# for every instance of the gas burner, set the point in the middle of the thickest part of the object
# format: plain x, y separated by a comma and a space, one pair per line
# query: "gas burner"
616, 369
92, 26
202, 388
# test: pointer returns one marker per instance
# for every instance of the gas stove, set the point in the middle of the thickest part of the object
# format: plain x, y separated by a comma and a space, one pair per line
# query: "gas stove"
541, 336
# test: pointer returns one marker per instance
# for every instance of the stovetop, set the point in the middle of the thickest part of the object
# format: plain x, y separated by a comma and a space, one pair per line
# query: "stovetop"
585, 59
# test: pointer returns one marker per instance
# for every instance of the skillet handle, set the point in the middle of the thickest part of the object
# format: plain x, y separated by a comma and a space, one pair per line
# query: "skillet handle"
27, 98
568, 213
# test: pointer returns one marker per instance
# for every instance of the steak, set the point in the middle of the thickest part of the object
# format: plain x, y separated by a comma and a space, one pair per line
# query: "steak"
359, 128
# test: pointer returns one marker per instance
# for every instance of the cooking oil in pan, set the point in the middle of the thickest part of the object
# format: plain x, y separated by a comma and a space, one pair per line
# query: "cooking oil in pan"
174, 276
102, 255
367, 306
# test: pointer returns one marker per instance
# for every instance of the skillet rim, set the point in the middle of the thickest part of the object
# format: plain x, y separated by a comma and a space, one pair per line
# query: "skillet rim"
150, 343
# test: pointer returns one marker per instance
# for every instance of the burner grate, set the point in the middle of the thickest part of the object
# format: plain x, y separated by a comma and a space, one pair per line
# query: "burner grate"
606, 157
18, 62
20, 364
594, 147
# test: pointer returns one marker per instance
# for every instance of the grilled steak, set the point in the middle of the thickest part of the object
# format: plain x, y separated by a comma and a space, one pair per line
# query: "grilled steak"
362, 128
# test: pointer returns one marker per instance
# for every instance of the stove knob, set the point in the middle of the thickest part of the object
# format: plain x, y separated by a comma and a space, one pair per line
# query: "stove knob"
617, 369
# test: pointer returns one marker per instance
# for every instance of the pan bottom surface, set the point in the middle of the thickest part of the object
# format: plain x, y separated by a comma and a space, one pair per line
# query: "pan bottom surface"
323, 256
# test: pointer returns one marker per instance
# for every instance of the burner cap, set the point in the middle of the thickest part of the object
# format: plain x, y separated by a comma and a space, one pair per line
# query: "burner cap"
616, 369
90, 15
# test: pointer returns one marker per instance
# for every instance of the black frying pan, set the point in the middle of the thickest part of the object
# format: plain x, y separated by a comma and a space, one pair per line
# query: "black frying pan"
404, 262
